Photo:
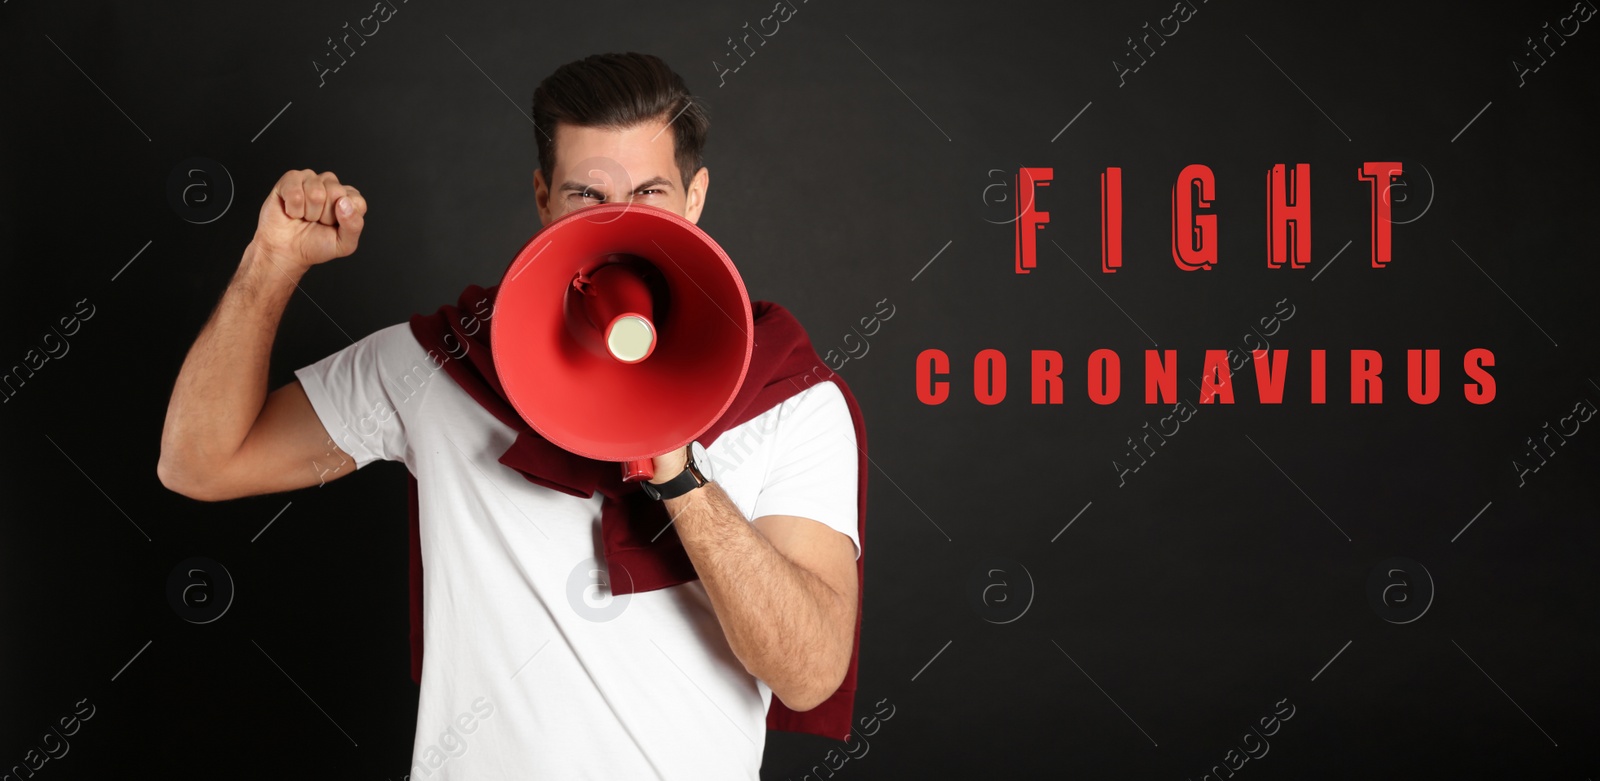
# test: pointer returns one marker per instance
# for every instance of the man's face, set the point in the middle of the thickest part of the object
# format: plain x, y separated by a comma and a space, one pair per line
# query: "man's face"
599, 165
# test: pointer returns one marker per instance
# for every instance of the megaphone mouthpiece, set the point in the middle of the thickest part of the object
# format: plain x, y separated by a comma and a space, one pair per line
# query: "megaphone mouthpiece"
631, 338
619, 303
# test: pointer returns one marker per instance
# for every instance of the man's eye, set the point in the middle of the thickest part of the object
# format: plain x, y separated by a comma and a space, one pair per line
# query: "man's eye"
651, 191
586, 194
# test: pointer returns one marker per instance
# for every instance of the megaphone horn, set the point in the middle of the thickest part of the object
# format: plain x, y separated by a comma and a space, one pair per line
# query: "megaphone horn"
620, 333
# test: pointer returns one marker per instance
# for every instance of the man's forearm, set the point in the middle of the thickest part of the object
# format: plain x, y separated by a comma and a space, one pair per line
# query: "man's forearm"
223, 383
782, 621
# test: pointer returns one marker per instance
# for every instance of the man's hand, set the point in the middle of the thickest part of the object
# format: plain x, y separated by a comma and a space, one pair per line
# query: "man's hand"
668, 465
309, 218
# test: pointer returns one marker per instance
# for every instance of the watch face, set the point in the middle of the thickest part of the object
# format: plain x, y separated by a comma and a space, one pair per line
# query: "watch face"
702, 461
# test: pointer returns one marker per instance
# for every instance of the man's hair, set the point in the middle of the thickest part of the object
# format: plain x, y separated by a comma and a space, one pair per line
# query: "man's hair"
617, 91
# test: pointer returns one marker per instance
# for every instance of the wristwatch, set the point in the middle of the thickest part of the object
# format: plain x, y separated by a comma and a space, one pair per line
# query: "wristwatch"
696, 472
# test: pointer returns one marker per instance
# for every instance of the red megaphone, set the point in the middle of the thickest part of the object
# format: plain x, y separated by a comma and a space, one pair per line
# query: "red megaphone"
621, 332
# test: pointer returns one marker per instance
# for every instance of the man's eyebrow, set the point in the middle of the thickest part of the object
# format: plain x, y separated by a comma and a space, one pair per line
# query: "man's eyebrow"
656, 181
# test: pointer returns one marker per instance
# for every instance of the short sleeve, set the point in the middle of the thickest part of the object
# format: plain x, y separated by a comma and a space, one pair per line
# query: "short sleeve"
814, 471
349, 393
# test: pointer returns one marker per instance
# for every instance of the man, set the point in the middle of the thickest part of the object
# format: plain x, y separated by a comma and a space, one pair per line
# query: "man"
529, 672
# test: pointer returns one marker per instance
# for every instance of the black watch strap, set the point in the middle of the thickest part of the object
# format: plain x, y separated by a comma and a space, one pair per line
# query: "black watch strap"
686, 481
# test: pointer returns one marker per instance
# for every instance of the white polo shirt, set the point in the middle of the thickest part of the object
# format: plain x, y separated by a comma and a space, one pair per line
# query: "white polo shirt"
533, 669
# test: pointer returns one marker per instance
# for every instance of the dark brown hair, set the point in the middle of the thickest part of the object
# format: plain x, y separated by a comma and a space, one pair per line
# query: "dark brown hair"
618, 91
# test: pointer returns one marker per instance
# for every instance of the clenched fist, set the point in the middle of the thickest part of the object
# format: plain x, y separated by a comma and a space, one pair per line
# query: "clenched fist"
310, 218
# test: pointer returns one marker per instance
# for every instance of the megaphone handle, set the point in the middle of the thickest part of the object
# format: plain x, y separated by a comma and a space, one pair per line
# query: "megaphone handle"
638, 469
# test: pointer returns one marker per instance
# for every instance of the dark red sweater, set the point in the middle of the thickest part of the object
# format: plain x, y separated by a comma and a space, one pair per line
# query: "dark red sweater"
782, 364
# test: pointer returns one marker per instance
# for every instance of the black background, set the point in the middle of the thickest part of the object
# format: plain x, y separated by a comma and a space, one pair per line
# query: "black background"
1231, 572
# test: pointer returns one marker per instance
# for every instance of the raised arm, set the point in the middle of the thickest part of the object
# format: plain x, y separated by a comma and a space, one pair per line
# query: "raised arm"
225, 436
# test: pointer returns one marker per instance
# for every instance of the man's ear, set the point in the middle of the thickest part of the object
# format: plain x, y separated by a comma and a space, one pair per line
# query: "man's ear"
697, 194
541, 196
